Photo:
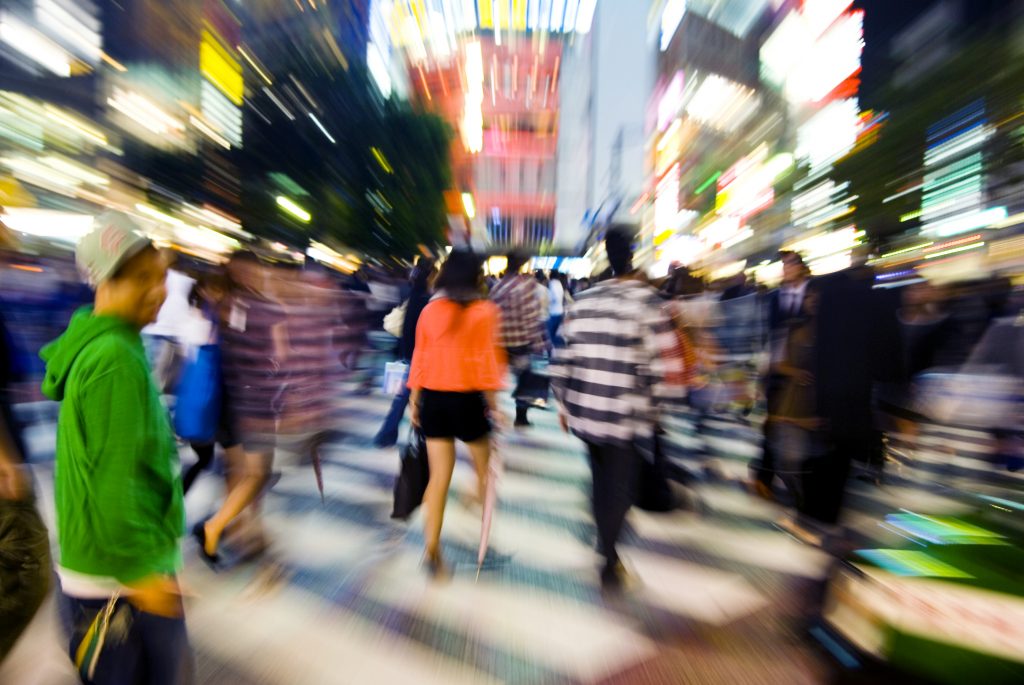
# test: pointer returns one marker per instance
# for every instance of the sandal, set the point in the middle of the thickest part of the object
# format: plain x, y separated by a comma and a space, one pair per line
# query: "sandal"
199, 533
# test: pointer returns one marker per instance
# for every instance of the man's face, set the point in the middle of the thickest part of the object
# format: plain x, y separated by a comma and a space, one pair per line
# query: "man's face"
792, 270
140, 287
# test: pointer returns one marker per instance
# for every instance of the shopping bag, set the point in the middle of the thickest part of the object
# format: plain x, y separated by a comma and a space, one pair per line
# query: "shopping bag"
395, 320
197, 411
394, 377
110, 625
412, 479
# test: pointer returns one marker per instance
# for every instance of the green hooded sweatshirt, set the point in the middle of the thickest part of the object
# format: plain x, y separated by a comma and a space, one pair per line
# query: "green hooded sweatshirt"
120, 509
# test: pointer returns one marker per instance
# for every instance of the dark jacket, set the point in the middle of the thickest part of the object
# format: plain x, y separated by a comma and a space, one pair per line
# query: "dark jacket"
418, 299
858, 346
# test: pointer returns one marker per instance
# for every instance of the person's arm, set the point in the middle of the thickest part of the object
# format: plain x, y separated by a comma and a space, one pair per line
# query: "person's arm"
560, 369
415, 382
13, 483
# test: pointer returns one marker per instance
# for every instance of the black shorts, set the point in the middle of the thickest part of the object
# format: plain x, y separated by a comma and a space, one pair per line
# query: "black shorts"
461, 415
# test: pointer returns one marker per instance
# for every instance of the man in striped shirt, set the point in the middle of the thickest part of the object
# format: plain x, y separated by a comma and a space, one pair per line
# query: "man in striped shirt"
522, 332
621, 363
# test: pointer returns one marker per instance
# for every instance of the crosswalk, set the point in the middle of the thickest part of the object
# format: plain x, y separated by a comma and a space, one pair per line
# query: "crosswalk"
722, 595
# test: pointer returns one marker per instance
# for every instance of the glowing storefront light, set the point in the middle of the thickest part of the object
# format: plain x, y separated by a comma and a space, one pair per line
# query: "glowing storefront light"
722, 104
472, 120
469, 205
829, 134
671, 16
62, 226
34, 45
666, 201
82, 37
145, 112
671, 101
220, 68
807, 63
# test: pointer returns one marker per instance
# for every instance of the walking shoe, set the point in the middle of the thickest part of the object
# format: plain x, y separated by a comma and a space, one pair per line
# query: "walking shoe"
436, 568
799, 532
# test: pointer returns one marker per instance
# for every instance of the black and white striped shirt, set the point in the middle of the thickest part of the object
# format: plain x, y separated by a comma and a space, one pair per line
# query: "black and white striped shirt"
612, 378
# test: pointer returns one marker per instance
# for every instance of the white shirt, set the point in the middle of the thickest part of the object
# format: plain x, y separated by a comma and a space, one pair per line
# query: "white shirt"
174, 315
556, 293
791, 298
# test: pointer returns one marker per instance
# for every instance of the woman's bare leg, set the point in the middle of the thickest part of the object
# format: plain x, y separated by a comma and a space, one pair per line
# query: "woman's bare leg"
441, 455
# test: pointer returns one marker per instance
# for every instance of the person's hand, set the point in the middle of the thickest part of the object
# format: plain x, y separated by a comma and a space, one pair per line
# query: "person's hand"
498, 420
157, 595
563, 421
13, 483
414, 414
803, 377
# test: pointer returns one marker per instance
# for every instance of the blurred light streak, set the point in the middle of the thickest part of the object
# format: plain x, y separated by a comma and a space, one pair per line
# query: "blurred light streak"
209, 132
280, 105
955, 250
305, 93
711, 179
75, 124
75, 171
900, 194
469, 205
639, 203
322, 129
252, 63
144, 112
954, 243
34, 45
905, 250
335, 50
967, 222
71, 29
110, 61
382, 160
294, 209
671, 16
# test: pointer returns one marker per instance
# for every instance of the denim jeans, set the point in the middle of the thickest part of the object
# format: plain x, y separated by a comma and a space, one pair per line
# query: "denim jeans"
388, 433
139, 648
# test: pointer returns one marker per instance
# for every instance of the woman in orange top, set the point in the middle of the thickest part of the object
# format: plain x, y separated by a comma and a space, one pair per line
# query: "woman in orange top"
457, 368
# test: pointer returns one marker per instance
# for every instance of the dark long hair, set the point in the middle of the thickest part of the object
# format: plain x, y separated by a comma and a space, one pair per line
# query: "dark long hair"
463, 272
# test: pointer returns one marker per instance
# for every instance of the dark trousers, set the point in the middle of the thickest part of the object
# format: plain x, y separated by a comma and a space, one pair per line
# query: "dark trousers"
824, 481
615, 471
204, 454
139, 649
554, 324
764, 468
388, 433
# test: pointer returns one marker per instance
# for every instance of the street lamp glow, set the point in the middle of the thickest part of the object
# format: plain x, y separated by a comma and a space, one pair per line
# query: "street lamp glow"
295, 210
469, 205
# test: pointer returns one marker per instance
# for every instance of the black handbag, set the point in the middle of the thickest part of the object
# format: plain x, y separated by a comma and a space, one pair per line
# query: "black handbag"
412, 480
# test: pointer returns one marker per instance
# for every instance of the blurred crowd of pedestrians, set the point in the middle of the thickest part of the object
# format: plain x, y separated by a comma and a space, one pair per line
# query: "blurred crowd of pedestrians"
254, 357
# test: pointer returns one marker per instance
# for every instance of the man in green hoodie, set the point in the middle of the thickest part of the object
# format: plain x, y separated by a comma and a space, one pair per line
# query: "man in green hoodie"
120, 512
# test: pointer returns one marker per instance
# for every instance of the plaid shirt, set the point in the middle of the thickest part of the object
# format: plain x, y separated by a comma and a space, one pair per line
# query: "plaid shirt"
520, 311
622, 362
